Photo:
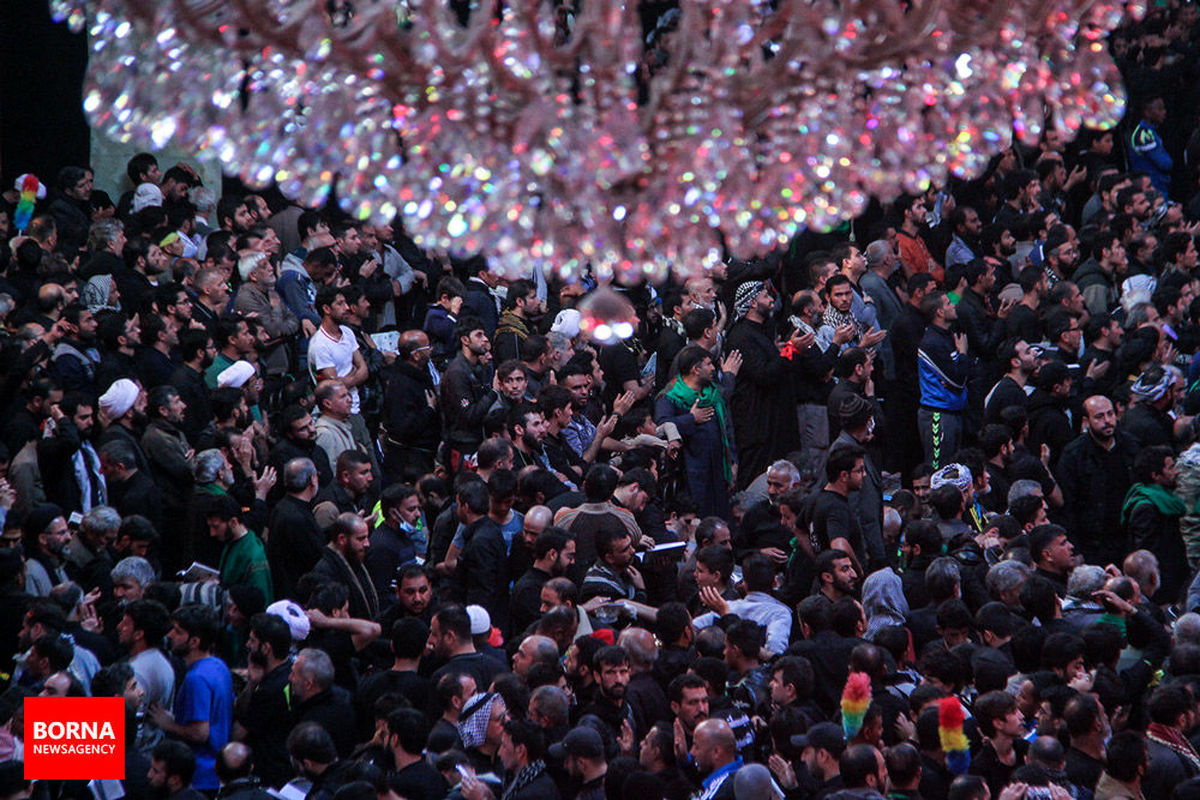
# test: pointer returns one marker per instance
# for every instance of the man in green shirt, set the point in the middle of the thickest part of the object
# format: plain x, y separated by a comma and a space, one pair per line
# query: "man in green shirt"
244, 559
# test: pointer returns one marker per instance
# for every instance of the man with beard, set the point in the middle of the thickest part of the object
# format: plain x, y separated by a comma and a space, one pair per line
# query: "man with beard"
1010, 390
74, 361
413, 595
197, 352
202, 715
410, 404
831, 520
160, 337
943, 369
394, 542
467, 392
350, 492
1099, 277
297, 439
613, 576
522, 308
1150, 515
130, 490
172, 769
166, 447
694, 404
580, 432
257, 297
527, 428
294, 540
763, 405
236, 342
124, 407
45, 537
69, 464
243, 558
140, 631
553, 555
688, 697
118, 336
342, 562
610, 666
261, 711
1095, 472
482, 574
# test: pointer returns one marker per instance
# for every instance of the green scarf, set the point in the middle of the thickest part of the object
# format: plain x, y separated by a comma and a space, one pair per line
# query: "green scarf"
684, 395
1156, 495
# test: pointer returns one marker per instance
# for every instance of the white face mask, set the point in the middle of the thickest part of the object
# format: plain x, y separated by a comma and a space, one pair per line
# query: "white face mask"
870, 425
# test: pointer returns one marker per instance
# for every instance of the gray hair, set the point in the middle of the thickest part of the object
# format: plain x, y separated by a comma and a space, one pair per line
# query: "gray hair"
136, 569
298, 474
102, 521
316, 667
1187, 629
209, 464
1023, 488
552, 703
1085, 580
1005, 577
104, 232
203, 198
558, 340
787, 468
877, 253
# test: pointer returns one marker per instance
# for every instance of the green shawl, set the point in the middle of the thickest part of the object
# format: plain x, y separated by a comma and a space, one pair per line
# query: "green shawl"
684, 395
1156, 495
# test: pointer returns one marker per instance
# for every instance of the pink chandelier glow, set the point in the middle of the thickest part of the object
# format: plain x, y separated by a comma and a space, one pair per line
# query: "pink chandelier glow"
520, 135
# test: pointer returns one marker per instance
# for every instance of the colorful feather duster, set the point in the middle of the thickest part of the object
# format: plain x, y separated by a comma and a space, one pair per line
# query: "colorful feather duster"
856, 699
953, 740
24, 212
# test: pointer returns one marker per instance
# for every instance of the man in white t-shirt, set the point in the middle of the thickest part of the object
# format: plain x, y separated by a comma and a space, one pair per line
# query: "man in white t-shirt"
332, 351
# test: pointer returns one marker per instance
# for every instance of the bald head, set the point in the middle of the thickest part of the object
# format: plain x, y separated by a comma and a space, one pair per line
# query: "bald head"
1101, 418
717, 734
640, 645
414, 347
537, 519
534, 649
234, 762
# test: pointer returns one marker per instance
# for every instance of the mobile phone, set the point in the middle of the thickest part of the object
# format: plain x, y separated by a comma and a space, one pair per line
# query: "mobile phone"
74, 520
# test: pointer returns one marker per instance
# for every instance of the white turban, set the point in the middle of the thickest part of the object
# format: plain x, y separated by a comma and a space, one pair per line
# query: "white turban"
235, 375
147, 195
119, 398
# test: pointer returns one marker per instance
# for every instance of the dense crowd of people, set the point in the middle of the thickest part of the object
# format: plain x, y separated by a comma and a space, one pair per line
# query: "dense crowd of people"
907, 513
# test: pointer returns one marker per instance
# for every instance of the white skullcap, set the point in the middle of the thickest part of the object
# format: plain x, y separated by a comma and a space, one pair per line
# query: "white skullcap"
294, 616
146, 195
119, 398
235, 375
567, 323
481, 621
249, 262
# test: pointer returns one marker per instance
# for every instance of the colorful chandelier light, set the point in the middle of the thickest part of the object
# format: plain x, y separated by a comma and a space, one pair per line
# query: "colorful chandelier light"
542, 137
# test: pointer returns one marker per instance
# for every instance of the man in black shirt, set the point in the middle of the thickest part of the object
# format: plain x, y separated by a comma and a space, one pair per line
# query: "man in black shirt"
1010, 389
413, 777
553, 555
834, 523
408, 637
261, 711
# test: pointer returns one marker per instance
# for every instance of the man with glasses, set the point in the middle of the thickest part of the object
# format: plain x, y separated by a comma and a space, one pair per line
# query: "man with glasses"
412, 428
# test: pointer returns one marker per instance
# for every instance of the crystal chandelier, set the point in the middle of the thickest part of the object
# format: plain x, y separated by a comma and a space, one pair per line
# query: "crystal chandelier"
547, 137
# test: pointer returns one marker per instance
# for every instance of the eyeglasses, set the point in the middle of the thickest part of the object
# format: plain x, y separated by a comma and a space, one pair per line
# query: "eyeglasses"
419, 349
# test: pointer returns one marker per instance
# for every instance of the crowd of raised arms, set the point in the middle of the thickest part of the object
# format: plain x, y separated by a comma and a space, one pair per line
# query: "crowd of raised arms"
907, 510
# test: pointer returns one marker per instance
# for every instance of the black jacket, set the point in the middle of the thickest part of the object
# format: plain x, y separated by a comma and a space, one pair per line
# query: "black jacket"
764, 405
1148, 426
410, 422
1049, 423
331, 710
364, 602
482, 572
194, 393
294, 543
466, 397
1094, 482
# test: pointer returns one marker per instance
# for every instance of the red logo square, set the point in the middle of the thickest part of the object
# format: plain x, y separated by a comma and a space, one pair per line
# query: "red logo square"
74, 738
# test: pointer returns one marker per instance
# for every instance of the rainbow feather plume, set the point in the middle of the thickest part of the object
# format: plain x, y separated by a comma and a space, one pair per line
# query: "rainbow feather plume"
24, 212
856, 699
950, 733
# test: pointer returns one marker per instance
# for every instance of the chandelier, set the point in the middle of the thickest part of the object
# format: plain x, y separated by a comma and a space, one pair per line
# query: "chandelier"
550, 136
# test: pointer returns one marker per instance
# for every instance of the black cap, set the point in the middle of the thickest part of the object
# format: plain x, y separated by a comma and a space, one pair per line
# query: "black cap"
581, 741
823, 736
